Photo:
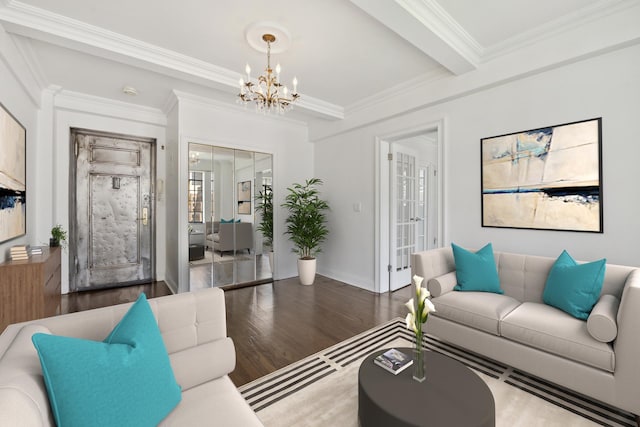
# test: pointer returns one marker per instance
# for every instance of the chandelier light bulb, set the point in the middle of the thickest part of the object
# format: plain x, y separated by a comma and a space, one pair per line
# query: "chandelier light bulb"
278, 69
286, 91
247, 69
295, 85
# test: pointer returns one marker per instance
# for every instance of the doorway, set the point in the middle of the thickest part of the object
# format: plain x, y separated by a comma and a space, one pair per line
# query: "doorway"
112, 225
409, 208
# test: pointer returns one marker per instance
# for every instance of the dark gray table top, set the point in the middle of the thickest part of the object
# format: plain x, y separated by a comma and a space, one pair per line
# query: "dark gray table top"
452, 395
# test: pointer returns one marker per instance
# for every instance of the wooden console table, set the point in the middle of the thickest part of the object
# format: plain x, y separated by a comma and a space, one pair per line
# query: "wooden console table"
30, 289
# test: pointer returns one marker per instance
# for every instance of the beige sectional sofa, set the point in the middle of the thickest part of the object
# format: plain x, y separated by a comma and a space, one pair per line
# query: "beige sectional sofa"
518, 329
193, 327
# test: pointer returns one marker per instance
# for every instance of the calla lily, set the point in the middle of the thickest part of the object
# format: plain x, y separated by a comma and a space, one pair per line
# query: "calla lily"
423, 294
417, 280
429, 306
411, 306
410, 322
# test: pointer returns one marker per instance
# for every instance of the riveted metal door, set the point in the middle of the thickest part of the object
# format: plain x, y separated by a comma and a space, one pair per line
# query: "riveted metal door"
114, 205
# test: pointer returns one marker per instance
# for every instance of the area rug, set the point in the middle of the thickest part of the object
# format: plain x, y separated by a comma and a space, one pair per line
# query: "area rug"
322, 390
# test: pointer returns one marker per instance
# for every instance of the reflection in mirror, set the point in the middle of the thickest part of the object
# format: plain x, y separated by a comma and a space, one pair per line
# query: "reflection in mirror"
230, 241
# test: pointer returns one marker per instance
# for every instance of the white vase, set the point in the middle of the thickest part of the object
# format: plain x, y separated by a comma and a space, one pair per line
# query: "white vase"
307, 271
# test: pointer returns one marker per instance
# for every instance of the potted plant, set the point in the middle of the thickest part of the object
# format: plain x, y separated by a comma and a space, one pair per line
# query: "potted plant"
264, 206
58, 237
306, 225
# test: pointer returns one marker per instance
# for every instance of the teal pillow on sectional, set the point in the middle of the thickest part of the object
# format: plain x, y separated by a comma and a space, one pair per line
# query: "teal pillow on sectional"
572, 287
225, 221
476, 271
126, 380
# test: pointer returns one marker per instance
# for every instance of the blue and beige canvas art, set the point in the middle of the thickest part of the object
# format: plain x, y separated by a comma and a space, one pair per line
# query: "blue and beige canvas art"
12, 177
546, 178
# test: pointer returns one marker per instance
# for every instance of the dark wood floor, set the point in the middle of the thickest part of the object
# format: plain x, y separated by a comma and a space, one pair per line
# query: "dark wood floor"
276, 324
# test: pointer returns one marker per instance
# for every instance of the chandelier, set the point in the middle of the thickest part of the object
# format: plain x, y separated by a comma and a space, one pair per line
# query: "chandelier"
268, 93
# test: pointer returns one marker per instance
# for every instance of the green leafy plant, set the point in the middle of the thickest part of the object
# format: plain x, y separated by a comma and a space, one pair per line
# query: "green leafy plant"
264, 206
306, 223
58, 236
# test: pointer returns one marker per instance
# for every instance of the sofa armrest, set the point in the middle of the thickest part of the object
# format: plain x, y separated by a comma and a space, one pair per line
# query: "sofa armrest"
432, 263
202, 363
442, 284
627, 345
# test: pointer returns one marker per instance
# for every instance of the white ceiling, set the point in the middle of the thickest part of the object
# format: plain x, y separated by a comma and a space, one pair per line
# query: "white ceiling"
342, 52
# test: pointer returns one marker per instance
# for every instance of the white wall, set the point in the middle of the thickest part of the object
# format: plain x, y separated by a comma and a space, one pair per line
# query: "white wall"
207, 122
16, 100
605, 86
173, 233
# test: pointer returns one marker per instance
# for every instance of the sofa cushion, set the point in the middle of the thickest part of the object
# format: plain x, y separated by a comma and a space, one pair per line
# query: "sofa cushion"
476, 271
552, 330
572, 287
124, 380
601, 323
480, 310
214, 403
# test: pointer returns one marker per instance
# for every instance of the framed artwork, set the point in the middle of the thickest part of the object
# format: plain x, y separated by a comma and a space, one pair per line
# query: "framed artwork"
545, 179
13, 177
244, 197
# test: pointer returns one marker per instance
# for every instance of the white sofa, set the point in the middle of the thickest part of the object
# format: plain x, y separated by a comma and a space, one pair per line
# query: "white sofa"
193, 327
518, 329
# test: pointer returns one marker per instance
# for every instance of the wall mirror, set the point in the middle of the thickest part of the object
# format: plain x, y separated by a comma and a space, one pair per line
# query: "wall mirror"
230, 217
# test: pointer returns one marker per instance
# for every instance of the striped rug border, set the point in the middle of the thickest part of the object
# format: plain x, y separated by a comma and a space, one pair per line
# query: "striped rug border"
267, 390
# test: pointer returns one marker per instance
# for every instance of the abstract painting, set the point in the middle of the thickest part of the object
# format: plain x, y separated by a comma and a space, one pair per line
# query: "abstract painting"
13, 182
548, 178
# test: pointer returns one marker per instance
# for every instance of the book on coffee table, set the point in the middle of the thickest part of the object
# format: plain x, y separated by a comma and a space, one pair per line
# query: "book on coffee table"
393, 361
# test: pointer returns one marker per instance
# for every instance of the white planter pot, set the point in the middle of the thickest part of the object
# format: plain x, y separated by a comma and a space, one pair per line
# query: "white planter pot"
307, 271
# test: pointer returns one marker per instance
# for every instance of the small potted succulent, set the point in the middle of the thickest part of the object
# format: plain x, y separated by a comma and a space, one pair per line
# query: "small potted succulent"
58, 237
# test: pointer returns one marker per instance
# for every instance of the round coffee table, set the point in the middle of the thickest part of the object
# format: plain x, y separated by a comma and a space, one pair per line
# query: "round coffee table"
452, 395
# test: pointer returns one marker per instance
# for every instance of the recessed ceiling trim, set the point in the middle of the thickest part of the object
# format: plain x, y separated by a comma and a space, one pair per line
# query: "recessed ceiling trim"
23, 19
430, 28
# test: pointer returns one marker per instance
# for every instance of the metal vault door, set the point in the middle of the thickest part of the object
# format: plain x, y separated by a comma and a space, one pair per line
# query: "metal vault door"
113, 231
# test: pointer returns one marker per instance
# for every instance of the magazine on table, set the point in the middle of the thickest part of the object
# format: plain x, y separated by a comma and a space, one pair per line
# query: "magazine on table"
393, 361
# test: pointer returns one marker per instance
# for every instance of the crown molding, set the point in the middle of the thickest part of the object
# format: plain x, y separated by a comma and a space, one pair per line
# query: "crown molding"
31, 21
556, 27
227, 108
76, 101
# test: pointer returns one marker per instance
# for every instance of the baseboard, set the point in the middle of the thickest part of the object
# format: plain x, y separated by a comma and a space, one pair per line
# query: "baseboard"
345, 278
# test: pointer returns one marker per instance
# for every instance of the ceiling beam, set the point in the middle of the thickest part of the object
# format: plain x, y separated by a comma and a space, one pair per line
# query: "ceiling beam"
427, 26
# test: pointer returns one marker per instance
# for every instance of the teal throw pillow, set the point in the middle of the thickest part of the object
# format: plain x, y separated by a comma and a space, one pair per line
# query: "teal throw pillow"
225, 221
476, 271
126, 380
574, 288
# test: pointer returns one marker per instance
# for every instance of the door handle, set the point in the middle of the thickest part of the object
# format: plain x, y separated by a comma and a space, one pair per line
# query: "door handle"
145, 216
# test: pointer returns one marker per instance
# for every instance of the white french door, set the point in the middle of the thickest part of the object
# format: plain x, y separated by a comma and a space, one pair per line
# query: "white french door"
403, 215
